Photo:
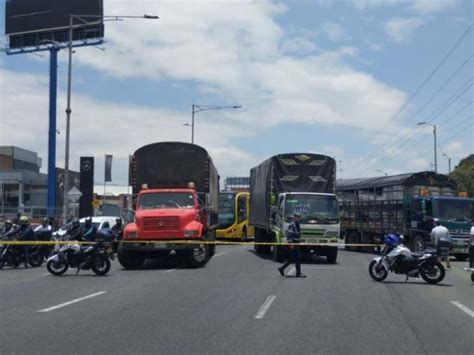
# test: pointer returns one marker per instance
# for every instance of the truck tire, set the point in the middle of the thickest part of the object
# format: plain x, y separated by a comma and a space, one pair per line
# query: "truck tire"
129, 261
354, 238
197, 257
278, 254
331, 255
418, 243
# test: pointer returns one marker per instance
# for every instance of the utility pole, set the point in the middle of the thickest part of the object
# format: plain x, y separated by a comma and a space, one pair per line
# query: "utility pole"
435, 148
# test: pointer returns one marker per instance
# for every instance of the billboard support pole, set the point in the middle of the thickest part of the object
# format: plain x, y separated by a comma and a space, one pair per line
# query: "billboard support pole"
53, 81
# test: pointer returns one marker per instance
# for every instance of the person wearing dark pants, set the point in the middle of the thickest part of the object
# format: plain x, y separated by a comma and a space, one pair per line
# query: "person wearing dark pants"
294, 237
471, 246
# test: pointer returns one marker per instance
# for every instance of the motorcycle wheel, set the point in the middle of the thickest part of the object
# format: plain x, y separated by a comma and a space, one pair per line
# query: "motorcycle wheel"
101, 265
377, 275
433, 272
2, 263
36, 260
57, 268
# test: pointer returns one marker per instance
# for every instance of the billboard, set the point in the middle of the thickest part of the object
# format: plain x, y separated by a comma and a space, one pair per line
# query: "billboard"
31, 23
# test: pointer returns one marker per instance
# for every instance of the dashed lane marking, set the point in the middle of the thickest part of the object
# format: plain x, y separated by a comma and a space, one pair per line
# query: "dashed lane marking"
463, 308
170, 270
265, 306
61, 305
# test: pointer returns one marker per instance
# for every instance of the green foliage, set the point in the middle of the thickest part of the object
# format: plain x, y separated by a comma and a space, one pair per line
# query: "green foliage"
464, 175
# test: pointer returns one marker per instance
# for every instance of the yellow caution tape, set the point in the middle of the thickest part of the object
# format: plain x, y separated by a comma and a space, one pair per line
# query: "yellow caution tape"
204, 242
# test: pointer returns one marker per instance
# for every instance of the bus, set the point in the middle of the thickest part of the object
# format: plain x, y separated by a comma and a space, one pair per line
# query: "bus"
234, 216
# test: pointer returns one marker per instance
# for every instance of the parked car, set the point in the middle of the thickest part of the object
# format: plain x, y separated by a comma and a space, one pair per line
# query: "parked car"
99, 222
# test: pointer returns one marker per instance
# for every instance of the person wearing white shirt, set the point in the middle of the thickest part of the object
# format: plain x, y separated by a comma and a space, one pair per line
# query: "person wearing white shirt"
437, 233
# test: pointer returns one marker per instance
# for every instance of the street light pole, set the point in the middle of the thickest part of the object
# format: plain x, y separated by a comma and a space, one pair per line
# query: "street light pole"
449, 162
435, 147
199, 108
69, 81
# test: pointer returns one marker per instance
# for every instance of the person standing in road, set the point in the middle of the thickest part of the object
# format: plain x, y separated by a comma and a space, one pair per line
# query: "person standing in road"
437, 233
294, 237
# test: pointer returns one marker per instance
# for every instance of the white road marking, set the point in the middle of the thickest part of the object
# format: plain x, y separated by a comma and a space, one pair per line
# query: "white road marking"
292, 271
265, 306
219, 254
71, 302
170, 270
46, 274
463, 308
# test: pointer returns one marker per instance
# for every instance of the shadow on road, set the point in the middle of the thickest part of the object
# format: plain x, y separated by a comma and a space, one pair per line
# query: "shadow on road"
305, 259
416, 283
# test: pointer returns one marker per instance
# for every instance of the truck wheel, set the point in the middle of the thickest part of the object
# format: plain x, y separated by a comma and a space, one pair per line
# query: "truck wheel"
197, 257
418, 243
331, 255
354, 239
460, 257
278, 253
130, 261
212, 250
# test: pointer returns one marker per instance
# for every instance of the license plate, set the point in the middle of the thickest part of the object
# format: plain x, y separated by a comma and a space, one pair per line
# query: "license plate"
160, 245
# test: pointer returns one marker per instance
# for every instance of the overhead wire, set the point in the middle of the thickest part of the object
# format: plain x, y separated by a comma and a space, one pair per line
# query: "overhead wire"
428, 78
393, 151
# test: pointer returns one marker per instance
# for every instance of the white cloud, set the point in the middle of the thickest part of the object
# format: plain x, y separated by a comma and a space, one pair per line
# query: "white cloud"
432, 6
367, 4
235, 51
418, 164
401, 29
334, 31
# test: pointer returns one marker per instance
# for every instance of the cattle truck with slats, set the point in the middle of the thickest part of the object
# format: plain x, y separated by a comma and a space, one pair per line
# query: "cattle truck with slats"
175, 198
291, 183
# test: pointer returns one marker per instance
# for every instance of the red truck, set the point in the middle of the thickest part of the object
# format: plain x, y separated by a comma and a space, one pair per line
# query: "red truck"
175, 198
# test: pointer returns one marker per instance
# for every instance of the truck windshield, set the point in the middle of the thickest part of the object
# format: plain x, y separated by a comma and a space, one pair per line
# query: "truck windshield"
453, 210
226, 209
323, 208
166, 200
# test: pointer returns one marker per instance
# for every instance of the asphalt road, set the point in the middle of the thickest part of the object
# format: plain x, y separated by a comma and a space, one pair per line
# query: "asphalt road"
237, 304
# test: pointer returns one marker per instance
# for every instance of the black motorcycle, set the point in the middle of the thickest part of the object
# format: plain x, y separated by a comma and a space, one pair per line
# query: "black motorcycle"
92, 257
13, 255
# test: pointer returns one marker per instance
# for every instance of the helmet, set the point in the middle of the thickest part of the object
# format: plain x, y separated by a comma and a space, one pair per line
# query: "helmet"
76, 223
391, 240
104, 235
88, 220
45, 221
8, 222
118, 220
24, 220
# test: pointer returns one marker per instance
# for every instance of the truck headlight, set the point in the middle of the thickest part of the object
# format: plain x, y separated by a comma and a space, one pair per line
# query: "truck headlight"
132, 234
191, 233
332, 234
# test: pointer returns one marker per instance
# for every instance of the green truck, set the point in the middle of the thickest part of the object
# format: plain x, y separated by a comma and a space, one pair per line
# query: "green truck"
295, 183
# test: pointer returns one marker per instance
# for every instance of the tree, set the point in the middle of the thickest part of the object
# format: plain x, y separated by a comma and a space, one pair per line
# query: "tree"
463, 174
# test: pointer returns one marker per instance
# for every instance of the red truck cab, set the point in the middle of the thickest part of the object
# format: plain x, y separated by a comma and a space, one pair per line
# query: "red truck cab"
166, 214
175, 198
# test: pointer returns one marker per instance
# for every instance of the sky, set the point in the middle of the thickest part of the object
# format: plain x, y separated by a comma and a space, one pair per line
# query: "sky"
347, 78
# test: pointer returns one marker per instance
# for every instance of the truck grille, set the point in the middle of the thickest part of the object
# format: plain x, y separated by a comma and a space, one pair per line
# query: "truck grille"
312, 233
161, 224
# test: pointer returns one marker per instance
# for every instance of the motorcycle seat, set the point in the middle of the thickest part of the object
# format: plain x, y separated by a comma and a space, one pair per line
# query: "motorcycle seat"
417, 255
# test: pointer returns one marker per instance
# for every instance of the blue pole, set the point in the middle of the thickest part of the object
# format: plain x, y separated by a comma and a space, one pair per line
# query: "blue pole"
53, 81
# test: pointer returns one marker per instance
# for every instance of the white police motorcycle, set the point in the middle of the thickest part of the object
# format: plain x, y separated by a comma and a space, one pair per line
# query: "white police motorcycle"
397, 258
